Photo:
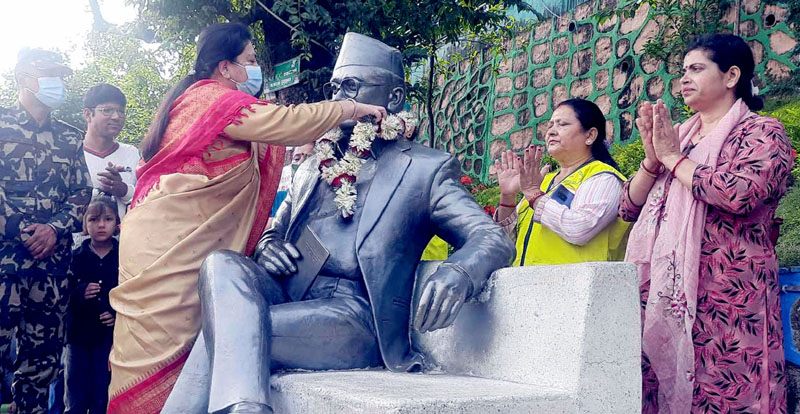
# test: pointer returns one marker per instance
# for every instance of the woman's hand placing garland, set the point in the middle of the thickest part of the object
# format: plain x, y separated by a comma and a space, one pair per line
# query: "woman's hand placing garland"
356, 110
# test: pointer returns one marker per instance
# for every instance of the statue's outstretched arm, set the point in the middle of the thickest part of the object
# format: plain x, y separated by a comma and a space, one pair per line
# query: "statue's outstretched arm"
482, 247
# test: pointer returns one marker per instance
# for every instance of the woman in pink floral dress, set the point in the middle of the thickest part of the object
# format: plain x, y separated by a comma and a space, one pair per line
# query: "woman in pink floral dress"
704, 201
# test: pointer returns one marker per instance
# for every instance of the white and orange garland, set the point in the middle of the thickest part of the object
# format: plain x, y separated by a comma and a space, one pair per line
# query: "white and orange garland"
341, 174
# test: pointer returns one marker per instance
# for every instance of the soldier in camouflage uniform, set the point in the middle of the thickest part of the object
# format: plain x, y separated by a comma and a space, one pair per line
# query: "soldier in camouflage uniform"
44, 188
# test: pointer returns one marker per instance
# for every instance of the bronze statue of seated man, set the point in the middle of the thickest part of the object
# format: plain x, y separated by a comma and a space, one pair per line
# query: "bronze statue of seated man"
260, 315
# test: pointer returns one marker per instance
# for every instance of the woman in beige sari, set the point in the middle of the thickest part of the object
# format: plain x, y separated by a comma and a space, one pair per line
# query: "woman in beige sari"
212, 162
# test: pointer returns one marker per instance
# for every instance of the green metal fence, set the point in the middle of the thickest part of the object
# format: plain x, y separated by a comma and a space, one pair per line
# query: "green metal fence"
496, 103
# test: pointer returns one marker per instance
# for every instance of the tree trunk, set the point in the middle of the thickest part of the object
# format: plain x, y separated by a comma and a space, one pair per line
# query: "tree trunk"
429, 103
100, 24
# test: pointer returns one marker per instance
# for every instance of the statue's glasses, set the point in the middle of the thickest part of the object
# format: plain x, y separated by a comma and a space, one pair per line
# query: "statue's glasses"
348, 86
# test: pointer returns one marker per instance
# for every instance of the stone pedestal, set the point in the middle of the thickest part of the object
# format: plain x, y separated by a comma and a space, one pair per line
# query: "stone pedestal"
546, 339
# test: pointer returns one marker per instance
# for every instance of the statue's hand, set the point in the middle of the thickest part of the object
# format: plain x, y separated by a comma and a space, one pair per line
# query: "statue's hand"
277, 256
441, 300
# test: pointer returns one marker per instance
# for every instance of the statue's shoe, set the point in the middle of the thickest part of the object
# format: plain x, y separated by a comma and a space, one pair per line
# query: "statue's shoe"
246, 408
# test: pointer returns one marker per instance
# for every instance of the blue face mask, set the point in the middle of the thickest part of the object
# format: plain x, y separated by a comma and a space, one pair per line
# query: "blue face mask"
51, 92
254, 79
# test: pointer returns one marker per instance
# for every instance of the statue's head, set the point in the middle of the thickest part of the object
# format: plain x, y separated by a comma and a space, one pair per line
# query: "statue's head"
370, 72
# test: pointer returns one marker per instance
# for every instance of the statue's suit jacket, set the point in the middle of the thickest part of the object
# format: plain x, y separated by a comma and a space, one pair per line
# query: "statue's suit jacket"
416, 193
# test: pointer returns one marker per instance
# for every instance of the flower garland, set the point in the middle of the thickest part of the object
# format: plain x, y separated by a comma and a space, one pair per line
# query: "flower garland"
341, 174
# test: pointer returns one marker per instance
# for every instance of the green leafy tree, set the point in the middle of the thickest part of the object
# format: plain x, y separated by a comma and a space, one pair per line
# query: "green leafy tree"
313, 29
282, 30
176, 24
485, 23
788, 247
121, 60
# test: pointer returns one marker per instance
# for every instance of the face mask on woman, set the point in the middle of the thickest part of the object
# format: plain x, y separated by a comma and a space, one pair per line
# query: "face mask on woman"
254, 79
51, 91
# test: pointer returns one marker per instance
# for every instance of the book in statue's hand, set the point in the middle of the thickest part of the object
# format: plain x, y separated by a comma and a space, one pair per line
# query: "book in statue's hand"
313, 255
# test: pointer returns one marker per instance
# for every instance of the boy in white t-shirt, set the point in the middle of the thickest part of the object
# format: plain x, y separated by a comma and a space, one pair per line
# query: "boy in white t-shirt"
111, 164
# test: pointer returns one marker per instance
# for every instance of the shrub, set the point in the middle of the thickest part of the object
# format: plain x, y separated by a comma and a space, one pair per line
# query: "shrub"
789, 115
788, 247
628, 157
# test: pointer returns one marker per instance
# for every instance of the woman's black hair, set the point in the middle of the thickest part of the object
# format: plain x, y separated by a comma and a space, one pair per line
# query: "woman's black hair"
590, 116
218, 42
727, 50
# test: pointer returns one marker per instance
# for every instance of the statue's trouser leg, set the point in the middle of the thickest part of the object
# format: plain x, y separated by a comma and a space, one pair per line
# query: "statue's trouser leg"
248, 327
331, 329
190, 393
235, 298
232, 347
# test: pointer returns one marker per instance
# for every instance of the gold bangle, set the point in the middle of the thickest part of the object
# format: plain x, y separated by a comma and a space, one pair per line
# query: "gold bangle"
354, 107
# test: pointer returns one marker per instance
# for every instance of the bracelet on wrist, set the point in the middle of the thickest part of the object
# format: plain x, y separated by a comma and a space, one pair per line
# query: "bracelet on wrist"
675, 168
651, 173
353, 101
535, 198
628, 194
501, 204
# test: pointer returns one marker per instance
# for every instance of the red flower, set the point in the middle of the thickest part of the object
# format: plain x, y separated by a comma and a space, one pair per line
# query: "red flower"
481, 187
794, 153
360, 153
466, 180
327, 163
489, 210
474, 191
344, 177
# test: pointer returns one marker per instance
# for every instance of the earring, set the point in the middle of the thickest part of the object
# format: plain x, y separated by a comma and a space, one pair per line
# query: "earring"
588, 142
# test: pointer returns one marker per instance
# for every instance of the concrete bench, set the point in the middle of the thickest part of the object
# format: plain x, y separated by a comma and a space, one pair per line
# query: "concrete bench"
549, 339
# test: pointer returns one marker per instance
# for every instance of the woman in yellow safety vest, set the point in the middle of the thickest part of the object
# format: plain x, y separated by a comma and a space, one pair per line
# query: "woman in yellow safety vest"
570, 215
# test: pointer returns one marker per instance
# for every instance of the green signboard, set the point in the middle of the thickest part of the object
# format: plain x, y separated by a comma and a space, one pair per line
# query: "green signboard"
286, 75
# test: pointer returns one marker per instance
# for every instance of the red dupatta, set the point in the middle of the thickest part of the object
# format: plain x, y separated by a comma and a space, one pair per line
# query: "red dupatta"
185, 155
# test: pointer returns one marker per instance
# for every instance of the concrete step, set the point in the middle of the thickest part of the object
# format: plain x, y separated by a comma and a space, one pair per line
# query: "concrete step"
380, 391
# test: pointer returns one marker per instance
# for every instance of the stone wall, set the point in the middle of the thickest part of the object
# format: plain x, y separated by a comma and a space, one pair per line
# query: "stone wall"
491, 104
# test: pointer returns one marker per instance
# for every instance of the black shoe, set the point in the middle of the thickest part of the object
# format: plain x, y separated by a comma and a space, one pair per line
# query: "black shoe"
246, 408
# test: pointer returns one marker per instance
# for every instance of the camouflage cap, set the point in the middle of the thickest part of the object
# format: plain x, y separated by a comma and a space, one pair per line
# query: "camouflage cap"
43, 60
